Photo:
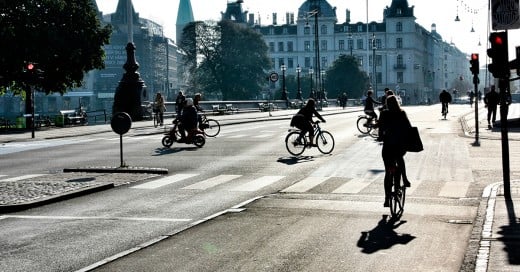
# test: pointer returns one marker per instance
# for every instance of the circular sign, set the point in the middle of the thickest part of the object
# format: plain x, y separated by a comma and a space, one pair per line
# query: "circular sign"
273, 77
121, 123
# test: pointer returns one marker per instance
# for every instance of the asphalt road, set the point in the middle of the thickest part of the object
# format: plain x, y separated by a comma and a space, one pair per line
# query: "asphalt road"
274, 234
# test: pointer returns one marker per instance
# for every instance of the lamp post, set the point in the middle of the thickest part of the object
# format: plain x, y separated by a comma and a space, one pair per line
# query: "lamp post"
311, 92
284, 90
374, 76
299, 93
322, 91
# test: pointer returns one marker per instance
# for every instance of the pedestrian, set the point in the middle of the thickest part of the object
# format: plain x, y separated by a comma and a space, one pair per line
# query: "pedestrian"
343, 100
393, 125
159, 107
179, 103
491, 100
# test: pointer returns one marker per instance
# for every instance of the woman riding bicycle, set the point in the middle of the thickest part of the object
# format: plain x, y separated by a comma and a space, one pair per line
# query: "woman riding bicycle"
303, 120
369, 106
392, 126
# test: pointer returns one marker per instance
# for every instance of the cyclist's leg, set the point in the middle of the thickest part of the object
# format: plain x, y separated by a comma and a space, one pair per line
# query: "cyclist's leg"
402, 169
389, 163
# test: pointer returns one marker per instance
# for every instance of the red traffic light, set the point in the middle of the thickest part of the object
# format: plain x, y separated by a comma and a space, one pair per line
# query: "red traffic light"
474, 56
497, 40
30, 66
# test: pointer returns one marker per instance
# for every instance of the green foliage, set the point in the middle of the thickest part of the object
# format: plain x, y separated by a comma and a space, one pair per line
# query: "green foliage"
345, 76
233, 59
63, 38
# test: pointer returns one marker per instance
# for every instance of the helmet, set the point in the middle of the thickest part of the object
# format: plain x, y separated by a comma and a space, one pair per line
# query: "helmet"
189, 102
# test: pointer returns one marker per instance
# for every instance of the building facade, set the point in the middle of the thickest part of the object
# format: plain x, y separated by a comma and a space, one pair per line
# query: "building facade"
397, 53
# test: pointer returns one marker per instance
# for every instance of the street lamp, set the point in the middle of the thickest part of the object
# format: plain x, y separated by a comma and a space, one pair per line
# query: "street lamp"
298, 71
322, 92
284, 90
374, 77
311, 92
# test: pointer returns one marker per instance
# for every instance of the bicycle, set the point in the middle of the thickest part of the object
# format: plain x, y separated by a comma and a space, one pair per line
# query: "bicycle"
296, 143
366, 125
398, 195
211, 127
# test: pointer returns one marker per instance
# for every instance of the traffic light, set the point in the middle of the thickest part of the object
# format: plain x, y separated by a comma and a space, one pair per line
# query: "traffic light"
475, 67
498, 53
30, 67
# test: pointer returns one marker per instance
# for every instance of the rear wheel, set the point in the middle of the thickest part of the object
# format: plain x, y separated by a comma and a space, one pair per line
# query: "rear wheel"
199, 140
211, 128
362, 125
325, 142
294, 144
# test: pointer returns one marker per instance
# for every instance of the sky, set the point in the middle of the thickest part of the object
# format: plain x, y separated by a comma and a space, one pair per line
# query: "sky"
473, 14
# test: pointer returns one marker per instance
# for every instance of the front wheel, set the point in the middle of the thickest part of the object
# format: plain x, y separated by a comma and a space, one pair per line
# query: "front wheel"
294, 144
211, 128
325, 142
363, 125
167, 141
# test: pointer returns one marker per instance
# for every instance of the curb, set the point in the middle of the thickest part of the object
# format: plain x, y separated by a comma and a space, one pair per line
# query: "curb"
126, 170
55, 198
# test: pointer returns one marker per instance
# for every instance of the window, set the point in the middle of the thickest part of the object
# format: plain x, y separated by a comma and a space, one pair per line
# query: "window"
360, 44
307, 45
379, 77
400, 77
350, 44
280, 47
290, 46
341, 45
360, 60
399, 27
280, 62
399, 43
323, 29
290, 63
379, 44
307, 62
271, 47
360, 28
400, 60
307, 30
273, 61
379, 60
285, 31
323, 45
324, 63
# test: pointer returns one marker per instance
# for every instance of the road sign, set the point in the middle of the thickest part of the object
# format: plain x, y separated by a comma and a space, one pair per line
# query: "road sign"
505, 14
273, 77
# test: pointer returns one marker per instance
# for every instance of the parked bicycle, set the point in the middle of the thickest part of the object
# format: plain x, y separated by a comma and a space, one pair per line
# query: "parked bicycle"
296, 143
174, 135
367, 125
398, 195
211, 127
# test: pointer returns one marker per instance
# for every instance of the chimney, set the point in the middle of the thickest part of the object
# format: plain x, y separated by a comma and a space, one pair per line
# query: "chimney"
274, 18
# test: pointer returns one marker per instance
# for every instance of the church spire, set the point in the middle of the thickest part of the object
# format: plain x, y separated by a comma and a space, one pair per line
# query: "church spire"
120, 16
184, 17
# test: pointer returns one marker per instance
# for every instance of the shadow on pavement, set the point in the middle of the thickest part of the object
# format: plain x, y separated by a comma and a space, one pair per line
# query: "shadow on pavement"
295, 160
383, 236
511, 235
165, 151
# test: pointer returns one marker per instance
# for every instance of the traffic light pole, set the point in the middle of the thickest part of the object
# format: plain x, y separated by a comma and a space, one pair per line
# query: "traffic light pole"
503, 85
476, 81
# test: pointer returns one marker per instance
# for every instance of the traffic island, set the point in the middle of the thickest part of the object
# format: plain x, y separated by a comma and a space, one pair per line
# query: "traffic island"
126, 170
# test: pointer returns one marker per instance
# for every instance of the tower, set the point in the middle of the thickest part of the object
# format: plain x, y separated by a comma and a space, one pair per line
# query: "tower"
234, 12
184, 17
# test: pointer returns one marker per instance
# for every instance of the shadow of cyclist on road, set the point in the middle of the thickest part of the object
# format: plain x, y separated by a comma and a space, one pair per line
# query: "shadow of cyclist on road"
383, 236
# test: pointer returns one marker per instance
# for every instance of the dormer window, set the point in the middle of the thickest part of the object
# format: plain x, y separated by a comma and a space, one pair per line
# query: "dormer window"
399, 11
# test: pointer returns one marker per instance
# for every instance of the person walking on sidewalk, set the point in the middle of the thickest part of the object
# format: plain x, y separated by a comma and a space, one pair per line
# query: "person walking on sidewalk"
491, 100
159, 107
392, 126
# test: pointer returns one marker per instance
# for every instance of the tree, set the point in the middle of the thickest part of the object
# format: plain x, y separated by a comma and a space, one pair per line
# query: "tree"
232, 59
63, 39
345, 76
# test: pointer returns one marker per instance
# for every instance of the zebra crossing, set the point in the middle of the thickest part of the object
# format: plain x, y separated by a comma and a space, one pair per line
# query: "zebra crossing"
328, 185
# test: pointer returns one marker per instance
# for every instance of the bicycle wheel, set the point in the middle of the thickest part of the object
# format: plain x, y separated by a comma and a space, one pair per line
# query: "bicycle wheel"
199, 141
325, 142
362, 125
374, 132
398, 197
212, 128
294, 144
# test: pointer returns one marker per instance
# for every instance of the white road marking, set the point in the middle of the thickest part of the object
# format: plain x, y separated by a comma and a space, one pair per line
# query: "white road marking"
163, 181
257, 184
353, 186
211, 182
42, 217
305, 185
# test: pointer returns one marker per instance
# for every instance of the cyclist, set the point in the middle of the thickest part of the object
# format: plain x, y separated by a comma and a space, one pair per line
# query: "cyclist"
369, 106
392, 125
196, 100
188, 121
303, 120
445, 98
